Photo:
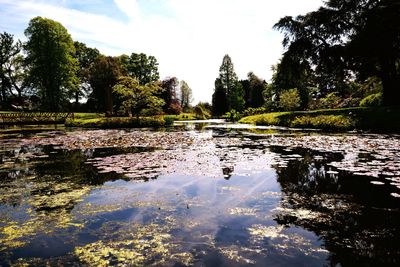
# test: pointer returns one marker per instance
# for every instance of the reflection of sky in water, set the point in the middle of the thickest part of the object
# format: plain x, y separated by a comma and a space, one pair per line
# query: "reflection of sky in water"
230, 199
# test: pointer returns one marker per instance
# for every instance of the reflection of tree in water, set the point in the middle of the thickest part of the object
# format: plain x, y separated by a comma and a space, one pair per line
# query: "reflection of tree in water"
359, 222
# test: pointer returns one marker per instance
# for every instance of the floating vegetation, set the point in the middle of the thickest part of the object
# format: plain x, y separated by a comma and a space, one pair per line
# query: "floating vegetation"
145, 198
141, 245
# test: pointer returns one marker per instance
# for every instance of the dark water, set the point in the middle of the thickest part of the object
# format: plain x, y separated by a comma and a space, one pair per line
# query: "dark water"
229, 197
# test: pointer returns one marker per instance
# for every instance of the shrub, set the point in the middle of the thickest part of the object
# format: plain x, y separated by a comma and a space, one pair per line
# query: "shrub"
169, 120
254, 111
374, 100
330, 101
289, 100
232, 115
326, 122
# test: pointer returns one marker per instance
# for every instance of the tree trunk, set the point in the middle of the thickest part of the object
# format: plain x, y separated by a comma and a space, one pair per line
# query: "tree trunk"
109, 103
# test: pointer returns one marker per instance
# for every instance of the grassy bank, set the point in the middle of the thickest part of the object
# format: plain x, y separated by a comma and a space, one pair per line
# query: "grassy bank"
374, 119
119, 122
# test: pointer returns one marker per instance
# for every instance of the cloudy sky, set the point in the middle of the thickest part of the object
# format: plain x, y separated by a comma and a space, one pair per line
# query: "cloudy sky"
188, 37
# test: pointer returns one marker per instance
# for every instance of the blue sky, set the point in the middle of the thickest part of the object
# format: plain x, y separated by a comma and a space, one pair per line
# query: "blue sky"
188, 37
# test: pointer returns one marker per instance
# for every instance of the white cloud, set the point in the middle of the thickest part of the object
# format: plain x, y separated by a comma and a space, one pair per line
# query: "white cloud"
129, 7
189, 40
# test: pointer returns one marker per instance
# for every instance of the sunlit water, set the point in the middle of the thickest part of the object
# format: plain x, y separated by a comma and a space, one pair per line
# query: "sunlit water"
201, 194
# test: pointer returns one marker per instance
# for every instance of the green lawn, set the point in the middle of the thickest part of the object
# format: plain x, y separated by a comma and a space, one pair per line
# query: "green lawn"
375, 119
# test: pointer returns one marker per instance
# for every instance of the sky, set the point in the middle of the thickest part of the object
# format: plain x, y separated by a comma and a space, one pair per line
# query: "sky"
189, 38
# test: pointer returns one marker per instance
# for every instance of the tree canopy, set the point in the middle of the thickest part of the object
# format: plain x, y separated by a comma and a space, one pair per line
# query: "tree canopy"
346, 38
50, 59
142, 67
228, 91
104, 74
11, 64
136, 98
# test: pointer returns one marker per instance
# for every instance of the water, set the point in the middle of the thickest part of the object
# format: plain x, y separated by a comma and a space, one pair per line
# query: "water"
199, 194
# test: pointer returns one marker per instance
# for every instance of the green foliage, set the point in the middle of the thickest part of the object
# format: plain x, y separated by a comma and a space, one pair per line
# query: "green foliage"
336, 40
236, 99
232, 115
136, 98
254, 111
219, 99
256, 89
200, 113
11, 66
141, 67
103, 75
376, 119
325, 122
330, 101
120, 122
86, 57
185, 96
374, 100
289, 100
228, 93
52, 66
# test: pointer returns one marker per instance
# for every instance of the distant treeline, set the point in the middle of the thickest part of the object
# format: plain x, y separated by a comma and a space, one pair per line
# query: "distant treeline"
51, 72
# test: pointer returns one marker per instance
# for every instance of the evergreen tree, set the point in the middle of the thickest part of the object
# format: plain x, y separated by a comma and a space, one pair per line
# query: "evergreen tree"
219, 99
228, 92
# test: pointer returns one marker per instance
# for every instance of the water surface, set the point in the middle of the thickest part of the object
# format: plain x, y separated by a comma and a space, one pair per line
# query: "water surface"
202, 195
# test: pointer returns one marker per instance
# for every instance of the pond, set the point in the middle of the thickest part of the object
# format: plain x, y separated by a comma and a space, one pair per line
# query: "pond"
199, 194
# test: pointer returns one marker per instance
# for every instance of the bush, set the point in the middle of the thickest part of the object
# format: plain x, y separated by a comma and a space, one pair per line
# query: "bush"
169, 120
326, 122
175, 109
289, 100
254, 111
374, 100
232, 115
115, 123
330, 101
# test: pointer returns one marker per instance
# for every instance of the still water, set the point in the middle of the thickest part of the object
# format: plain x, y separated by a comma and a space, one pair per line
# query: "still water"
199, 195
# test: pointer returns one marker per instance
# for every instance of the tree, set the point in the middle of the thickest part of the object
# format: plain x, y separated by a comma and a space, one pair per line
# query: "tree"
219, 99
50, 59
169, 95
347, 37
185, 95
235, 97
256, 89
228, 91
86, 57
11, 68
135, 97
142, 67
103, 75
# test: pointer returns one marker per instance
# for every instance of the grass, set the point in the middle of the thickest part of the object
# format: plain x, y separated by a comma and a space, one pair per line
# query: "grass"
119, 122
182, 117
385, 119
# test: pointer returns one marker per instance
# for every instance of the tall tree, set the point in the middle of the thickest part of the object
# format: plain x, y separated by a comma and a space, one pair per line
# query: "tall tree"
346, 37
257, 87
169, 95
135, 97
185, 95
228, 78
219, 99
142, 67
104, 74
50, 57
11, 66
86, 57
227, 84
